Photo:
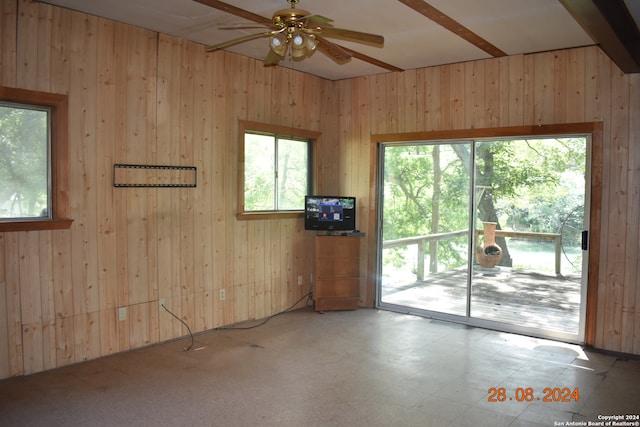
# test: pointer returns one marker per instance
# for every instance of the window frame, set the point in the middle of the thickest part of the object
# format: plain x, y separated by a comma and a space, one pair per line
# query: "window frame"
58, 106
245, 126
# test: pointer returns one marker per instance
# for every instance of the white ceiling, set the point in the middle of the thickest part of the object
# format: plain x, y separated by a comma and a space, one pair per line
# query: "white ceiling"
411, 40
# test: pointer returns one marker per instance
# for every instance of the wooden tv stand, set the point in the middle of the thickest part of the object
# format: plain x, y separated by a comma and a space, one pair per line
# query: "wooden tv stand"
337, 273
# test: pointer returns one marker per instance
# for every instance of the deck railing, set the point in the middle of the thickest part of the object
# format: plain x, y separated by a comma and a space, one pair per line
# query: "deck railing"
434, 239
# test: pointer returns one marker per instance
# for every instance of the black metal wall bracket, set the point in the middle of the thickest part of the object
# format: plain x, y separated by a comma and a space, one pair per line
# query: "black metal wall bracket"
154, 176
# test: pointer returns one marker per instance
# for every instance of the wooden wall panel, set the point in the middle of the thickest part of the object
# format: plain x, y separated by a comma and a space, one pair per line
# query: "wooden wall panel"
62, 283
203, 201
574, 95
4, 316
493, 82
168, 203
475, 96
15, 362
220, 175
29, 271
615, 211
598, 92
512, 104
8, 36
64, 351
432, 93
106, 149
82, 155
454, 104
86, 336
27, 52
255, 241
560, 88
47, 299
187, 237
59, 46
543, 89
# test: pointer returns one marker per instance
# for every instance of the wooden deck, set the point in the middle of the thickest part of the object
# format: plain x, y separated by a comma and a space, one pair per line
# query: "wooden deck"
502, 294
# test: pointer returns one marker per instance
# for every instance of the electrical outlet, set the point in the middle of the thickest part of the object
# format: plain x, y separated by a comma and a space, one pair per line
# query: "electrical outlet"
162, 304
122, 313
300, 280
222, 295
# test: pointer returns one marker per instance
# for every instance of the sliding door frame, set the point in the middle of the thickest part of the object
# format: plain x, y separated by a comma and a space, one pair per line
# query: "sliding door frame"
595, 129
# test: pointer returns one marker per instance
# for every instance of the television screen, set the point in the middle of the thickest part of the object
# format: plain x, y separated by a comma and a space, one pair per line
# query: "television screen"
329, 213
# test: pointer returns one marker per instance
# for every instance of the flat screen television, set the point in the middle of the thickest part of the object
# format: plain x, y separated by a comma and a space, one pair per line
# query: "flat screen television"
329, 213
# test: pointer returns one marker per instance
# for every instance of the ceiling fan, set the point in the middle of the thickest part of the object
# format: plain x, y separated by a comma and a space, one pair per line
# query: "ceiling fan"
294, 31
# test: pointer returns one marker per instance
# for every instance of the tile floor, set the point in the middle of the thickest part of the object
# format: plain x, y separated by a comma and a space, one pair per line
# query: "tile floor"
352, 368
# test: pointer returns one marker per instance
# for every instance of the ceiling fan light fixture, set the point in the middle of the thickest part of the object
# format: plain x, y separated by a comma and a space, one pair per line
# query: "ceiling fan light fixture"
278, 44
298, 41
311, 43
302, 45
298, 54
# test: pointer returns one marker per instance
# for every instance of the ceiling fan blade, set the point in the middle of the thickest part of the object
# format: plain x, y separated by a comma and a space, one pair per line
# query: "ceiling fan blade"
241, 40
236, 11
316, 20
241, 27
353, 36
333, 51
272, 58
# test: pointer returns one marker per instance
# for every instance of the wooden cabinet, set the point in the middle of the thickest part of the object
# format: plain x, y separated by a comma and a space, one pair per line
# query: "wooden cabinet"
337, 273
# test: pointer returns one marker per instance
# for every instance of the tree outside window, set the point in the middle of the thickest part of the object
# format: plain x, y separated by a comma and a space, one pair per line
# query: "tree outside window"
24, 162
276, 173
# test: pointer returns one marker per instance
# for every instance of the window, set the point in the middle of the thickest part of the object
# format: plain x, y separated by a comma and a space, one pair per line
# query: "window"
24, 162
275, 171
33, 160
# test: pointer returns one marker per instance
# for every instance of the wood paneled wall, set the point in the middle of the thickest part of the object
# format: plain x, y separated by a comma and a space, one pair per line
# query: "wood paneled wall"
141, 97
568, 86
136, 96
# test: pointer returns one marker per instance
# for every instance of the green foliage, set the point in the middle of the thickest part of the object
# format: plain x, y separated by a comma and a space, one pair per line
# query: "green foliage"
267, 188
292, 173
259, 172
408, 194
413, 209
528, 185
23, 162
553, 186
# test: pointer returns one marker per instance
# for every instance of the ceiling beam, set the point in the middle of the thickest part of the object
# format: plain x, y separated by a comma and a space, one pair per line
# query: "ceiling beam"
611, 26
452, 25
241, 13
372, 61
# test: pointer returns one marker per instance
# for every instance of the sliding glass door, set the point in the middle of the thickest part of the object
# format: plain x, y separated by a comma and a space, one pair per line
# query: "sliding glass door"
486, 232
426, 217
